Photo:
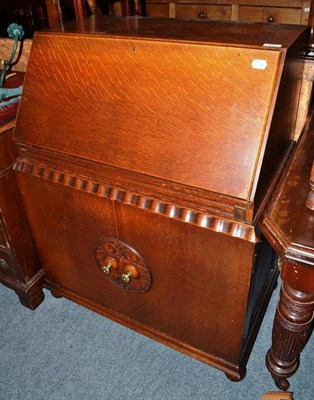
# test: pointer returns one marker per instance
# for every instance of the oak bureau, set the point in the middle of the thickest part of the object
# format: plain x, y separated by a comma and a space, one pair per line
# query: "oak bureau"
147, 151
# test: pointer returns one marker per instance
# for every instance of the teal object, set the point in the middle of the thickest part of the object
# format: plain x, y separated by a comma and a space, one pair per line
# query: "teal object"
15, 32
6, 93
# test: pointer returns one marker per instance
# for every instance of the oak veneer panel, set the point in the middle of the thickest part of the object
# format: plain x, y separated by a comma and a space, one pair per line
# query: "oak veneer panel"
210, 123
194, 296
184, 261
66, 242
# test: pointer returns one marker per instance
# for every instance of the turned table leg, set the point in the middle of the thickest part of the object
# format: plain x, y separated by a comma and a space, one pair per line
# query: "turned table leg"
292, 328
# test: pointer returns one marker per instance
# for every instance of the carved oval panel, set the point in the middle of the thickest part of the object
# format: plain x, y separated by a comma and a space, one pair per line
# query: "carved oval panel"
123, 265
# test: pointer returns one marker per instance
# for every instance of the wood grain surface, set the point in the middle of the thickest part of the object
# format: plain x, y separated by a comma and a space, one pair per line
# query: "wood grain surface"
128, 115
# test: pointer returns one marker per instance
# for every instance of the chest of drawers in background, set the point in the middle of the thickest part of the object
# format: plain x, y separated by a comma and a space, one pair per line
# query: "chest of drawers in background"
283, 12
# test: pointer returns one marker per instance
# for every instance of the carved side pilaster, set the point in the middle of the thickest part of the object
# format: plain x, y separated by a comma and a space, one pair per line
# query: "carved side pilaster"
292, 328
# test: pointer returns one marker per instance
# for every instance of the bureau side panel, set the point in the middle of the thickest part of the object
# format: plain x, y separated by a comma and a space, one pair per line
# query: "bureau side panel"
282, 129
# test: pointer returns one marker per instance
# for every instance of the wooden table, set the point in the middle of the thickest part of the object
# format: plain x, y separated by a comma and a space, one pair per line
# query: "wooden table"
289, 226
20, 268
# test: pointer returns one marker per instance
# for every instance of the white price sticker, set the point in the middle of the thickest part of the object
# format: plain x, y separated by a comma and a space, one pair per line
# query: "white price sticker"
259, 64
277, 45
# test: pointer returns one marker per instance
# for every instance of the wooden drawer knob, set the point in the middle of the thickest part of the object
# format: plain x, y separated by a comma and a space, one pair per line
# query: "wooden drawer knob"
270, 19
201, 15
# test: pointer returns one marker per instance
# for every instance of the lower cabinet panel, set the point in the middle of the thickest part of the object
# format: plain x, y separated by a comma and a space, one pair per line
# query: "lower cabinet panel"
199, 280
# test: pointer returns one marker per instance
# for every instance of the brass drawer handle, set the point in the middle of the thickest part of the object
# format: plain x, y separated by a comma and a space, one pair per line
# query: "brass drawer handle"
126, 277
130, 272
109, 263
201, 15
270, 19
106, 268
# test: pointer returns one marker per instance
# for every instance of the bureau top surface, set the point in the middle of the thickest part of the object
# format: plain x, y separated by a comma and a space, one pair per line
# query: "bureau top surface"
220, 32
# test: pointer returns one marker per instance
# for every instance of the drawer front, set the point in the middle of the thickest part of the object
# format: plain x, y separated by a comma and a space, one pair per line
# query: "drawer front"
294, 11
205, 11
270, 14
157, 10
193, 286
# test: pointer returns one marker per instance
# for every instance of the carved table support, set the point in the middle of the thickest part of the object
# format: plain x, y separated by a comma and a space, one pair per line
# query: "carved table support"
288, 224
292, 328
